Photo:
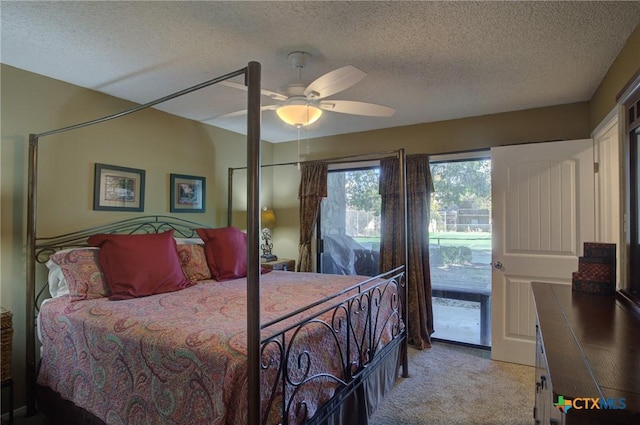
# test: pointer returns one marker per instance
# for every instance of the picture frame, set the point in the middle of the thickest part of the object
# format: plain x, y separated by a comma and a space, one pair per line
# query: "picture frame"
118, 188
187, 193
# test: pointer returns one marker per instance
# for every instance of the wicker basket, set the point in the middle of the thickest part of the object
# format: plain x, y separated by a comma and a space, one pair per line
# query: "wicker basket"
6, 342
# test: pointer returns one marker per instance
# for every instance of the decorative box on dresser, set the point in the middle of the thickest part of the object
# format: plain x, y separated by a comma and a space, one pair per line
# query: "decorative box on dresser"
588, 353
281, 264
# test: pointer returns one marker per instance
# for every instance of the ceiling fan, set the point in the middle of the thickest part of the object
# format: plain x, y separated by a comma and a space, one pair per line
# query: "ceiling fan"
303, 104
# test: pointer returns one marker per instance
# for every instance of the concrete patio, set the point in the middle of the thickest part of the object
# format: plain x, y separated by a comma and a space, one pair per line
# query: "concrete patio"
456, 320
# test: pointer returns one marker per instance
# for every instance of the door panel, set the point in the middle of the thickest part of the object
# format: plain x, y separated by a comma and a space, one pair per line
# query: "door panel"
518, 293
543, 210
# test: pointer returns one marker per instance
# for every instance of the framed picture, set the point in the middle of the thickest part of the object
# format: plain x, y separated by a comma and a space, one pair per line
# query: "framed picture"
118, 188
187, 193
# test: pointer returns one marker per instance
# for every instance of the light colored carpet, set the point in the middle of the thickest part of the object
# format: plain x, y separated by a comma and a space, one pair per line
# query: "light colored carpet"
452, 384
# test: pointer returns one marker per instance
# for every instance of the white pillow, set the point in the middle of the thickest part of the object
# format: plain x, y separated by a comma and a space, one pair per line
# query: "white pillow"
57, 282
189, 241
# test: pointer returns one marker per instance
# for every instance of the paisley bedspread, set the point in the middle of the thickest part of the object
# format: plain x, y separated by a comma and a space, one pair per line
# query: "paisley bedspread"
175, 358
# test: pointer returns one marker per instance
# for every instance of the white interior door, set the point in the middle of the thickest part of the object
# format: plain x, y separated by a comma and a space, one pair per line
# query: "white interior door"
543, 210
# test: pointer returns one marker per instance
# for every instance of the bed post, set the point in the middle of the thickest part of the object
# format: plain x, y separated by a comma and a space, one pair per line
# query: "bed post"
253, 242
405, 305
31, 278
230, 197
252, 73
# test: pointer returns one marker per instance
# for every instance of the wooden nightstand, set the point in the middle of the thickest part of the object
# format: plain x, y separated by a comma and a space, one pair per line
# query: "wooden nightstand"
280, 264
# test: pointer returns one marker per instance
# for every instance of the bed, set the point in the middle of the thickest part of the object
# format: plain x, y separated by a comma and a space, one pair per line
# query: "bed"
246, 348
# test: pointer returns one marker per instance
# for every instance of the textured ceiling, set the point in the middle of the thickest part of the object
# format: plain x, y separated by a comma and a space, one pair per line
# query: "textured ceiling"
431, 61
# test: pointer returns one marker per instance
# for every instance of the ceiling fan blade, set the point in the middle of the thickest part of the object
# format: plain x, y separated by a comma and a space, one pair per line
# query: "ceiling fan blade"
273, 95
243, 112
356, 108
334, 82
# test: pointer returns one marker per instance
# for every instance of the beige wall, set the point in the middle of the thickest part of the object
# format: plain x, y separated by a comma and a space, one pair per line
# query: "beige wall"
621, 71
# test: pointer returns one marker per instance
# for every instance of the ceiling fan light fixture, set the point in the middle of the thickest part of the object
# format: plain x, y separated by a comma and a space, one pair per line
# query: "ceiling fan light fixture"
299, 115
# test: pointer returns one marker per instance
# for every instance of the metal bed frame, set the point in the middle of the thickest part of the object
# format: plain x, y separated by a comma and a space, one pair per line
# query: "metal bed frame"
362, 351
38, 248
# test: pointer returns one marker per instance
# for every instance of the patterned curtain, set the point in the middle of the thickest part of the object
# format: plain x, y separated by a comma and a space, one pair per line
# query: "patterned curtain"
419, 189
392, 231
313, 187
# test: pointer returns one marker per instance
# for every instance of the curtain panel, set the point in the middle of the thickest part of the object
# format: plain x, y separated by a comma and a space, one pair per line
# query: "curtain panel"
419, 189
313, 187
392, 248
392, 224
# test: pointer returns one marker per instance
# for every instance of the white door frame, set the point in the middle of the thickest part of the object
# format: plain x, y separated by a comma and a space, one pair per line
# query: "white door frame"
609, 211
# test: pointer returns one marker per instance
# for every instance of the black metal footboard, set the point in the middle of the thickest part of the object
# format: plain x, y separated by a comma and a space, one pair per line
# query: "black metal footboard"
311, 365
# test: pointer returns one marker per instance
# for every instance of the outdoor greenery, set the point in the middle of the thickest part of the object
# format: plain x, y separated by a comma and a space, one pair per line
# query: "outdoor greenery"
457, 185
362, 190
461, 184
479, 241
462, 193
443, 255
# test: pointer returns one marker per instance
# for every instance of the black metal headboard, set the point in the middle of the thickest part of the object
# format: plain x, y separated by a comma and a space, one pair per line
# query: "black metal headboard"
137, 225
45, 246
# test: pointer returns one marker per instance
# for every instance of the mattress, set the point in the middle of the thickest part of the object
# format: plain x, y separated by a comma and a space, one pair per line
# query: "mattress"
180, 357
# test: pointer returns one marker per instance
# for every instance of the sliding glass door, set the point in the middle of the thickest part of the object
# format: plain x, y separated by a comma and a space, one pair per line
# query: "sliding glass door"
349, 225
459, 233
460, 249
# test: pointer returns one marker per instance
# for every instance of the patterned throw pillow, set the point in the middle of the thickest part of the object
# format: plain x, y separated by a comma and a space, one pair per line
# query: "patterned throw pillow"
82, 272
193, 262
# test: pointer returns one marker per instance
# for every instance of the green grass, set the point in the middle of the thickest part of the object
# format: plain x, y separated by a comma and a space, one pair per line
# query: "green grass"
474, 240
367, 239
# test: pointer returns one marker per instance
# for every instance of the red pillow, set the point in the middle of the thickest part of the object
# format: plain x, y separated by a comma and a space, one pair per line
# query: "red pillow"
226, 252
140, 265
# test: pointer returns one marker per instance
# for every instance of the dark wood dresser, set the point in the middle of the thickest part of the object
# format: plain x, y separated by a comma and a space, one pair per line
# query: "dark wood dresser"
588, 353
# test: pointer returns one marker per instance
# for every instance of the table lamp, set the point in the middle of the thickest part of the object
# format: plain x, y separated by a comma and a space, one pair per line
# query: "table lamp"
268, 222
